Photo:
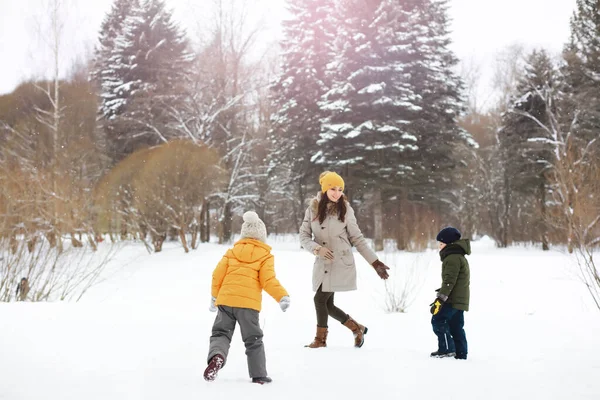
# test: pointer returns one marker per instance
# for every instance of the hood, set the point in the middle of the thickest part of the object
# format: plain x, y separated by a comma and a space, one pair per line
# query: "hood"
464, 244
250, 250
461, 246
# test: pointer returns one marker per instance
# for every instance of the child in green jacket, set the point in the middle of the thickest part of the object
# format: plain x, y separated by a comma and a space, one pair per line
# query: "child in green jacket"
453, 297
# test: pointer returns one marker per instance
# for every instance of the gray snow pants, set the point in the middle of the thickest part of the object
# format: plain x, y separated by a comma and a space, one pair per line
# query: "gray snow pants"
222, 332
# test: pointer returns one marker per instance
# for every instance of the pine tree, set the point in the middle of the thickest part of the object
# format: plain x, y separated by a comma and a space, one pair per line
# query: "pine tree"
391, 116
395, 100
579, 116
103, 72
306, 51
430, 71
371, 104
582, 70
148, 68
527, 148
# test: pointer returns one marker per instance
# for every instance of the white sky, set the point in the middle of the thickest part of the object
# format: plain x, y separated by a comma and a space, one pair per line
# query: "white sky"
480, 28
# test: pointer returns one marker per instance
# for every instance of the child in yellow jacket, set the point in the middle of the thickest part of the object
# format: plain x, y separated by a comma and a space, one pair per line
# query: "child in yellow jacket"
237, 285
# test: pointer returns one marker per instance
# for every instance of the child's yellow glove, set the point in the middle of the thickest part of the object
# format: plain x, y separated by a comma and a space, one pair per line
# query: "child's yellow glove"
436, 306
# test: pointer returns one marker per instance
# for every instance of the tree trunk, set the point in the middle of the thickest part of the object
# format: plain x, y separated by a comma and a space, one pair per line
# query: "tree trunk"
227, 229
123, 229
56, 26
143, 232
399, 229
347, 180
92, 240
207, 217
158, 241
31, 243
14, 244
378, 221
545, 245
226, 224
195, 230
75, 242
205, 222
183, 240
506, 212
51, 237
299, 209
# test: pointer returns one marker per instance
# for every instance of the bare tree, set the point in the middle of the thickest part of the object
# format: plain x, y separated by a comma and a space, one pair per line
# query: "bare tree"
471, 73
405, 283
51, 33
226, 111
508, 67
160, 191
575, 190
51, 273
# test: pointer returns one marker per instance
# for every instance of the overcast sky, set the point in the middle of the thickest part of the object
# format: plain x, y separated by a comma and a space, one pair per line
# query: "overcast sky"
480, 28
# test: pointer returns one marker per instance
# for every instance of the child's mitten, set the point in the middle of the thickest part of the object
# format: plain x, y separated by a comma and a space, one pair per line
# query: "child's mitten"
284, 303
212, 307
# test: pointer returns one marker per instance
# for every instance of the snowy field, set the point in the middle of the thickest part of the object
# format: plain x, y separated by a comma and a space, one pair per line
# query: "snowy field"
143, 333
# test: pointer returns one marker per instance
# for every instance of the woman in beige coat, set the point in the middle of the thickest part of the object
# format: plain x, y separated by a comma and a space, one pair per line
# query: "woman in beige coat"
329, 230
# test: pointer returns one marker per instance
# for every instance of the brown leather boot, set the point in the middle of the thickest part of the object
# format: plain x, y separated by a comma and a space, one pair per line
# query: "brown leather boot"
358, 330
320, 339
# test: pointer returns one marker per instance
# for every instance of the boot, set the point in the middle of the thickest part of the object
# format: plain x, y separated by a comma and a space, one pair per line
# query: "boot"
320, 339
214, 365
441, 354
262, 380
358, 330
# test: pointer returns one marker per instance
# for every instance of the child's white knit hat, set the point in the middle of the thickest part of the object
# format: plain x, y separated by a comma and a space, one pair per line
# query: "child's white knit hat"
253, 227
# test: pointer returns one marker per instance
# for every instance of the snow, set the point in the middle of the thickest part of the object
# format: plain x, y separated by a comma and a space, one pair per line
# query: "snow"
337, 105
143, 333
359, 36
408, 136
388, 128
470, 141
368, 125
339, 127
373, 88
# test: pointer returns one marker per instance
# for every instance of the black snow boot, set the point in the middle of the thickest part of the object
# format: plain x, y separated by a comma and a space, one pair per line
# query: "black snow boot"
460, 356
439, 354
262, 380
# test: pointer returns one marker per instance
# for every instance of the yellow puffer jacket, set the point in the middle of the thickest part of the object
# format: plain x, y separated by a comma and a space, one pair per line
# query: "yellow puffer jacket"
243, 273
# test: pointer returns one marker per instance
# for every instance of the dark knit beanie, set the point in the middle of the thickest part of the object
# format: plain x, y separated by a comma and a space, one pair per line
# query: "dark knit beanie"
448, 235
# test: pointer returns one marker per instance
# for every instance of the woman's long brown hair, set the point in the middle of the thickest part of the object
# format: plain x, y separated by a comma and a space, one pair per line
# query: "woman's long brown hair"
340, 207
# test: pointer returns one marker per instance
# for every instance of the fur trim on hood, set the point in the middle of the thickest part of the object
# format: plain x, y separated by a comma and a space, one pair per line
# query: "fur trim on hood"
314, 205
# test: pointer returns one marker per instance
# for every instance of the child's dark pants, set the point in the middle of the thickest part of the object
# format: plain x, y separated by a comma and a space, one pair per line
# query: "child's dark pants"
448, 326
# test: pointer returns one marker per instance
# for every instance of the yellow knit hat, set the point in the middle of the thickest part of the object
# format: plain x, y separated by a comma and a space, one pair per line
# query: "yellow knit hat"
329, 179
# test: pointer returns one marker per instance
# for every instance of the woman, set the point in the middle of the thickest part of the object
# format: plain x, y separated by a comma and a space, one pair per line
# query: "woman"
330, 219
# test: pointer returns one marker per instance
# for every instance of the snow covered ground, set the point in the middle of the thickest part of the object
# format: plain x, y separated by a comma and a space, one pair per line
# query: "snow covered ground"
143, 334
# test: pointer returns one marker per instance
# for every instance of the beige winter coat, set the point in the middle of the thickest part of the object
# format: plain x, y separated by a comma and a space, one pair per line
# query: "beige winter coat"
339, 274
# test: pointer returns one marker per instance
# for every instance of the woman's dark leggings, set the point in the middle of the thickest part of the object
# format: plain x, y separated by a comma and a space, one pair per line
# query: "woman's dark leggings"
325, 307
